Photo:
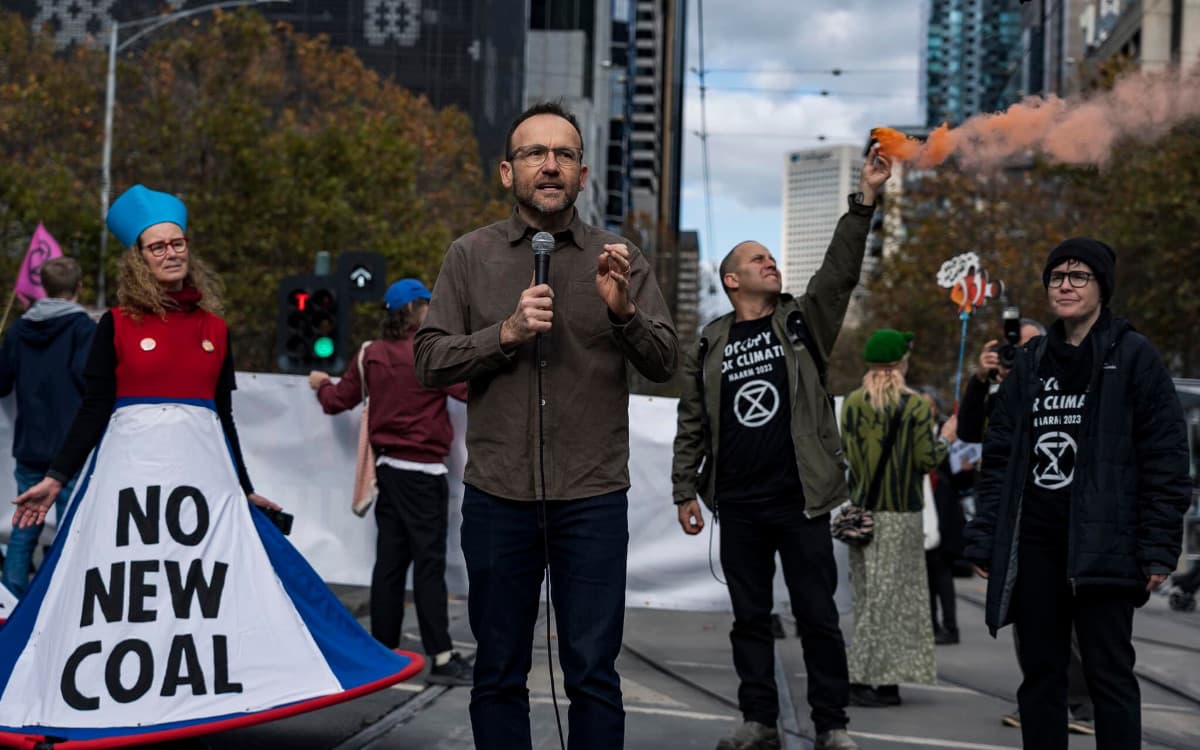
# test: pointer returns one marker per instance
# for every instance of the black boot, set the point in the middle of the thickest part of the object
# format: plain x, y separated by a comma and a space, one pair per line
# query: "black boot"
889, 694
865, 696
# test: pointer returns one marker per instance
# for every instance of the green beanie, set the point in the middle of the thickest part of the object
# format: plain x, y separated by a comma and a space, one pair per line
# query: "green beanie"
886, 345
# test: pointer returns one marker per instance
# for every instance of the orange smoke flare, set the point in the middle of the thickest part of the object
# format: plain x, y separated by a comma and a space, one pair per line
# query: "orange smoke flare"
905, 148
1082, 131
896, 145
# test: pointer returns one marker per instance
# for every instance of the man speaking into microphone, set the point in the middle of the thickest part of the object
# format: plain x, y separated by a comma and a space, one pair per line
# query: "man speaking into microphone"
547, 419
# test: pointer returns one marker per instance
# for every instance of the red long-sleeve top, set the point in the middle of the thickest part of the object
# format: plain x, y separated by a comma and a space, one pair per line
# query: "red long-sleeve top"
407, 421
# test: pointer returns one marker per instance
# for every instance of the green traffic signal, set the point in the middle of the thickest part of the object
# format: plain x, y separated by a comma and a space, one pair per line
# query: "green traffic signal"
323, 347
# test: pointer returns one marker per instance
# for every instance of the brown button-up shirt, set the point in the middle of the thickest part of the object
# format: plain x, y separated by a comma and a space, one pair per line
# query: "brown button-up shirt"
583, 391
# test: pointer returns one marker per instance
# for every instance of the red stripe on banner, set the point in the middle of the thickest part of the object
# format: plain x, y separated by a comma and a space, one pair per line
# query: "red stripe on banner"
31, 742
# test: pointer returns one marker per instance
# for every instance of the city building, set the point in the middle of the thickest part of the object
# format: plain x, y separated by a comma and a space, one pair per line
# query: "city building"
462, 54
687, 288
970, 62
568, 59
620, 117
1149, 35
1050, 47
815, 185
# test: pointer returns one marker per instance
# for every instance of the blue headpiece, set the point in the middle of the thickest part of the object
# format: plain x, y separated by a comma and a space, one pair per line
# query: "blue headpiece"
138, 208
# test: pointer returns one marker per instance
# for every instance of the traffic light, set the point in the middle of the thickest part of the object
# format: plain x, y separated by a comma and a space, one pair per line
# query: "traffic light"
311, 327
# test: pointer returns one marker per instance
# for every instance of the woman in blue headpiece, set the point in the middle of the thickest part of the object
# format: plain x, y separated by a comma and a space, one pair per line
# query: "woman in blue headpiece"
168, 606
165, 340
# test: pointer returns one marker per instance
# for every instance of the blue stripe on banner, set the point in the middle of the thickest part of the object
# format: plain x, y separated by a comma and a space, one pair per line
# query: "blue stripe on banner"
207, 403
353, 655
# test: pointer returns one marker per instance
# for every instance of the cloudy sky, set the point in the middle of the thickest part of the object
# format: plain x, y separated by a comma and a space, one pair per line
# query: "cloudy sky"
768, 61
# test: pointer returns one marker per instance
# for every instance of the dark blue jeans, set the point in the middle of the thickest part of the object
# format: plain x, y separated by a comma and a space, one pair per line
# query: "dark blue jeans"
23, 542
502, 541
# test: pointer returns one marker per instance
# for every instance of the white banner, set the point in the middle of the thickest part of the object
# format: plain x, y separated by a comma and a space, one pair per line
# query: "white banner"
171, 618
304, 459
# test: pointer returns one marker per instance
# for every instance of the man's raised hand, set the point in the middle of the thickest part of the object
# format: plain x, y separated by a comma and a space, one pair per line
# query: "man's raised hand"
612, 280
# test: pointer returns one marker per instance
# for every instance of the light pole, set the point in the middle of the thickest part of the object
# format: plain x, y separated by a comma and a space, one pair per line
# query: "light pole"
151, 24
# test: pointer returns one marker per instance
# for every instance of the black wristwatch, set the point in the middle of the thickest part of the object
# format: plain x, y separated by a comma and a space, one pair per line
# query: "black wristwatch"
859, 199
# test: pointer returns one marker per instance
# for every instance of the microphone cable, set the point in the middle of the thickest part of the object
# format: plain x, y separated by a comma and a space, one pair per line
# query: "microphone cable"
545, 522
712, 568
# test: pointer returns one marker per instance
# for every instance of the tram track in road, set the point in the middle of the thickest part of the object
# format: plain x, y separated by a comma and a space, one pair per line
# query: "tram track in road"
421, 700
1141, 672
1152, 736
793, 738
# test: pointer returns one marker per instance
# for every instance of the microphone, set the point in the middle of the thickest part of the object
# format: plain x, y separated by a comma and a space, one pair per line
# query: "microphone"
543, 245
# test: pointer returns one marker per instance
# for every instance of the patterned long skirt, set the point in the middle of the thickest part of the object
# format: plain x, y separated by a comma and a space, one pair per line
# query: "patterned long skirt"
893, 633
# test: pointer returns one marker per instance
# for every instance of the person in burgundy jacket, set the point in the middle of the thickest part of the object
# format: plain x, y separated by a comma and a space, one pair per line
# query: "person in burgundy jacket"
410, 432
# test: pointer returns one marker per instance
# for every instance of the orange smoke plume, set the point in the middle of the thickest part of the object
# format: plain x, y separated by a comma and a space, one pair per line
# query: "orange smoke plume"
1142, 106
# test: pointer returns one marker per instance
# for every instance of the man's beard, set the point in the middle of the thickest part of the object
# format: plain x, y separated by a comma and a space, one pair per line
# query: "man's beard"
527, 195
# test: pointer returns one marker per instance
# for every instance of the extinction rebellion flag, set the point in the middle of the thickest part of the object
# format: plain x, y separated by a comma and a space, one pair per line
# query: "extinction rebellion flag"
168, 606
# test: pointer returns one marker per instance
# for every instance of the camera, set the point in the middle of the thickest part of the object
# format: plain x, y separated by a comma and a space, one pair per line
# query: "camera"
1012, 338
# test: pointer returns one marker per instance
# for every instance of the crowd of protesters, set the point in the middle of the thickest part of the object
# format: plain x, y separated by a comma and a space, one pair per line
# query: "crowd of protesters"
1062, 477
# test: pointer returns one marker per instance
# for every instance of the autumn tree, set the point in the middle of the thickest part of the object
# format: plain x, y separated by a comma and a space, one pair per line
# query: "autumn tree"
280, 145
1010, 219
1140, 203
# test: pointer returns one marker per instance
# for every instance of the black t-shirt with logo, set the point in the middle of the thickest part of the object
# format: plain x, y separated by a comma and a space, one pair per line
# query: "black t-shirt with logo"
757, 459
1057, 417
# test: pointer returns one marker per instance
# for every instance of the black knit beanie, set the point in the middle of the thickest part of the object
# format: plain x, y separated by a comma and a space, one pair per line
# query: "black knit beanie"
1099, 257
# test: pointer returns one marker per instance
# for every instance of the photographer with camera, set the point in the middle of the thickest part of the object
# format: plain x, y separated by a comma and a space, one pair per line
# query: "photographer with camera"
995, 362
1081, 497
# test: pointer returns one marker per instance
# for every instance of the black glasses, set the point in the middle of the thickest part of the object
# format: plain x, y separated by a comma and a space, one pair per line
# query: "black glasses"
159, 249
1078, 279
535, 155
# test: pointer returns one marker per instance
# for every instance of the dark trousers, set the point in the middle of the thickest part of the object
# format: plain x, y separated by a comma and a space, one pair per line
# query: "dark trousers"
412, 514
1044, 610
751, 534
941, 589
504, 547
1078, 700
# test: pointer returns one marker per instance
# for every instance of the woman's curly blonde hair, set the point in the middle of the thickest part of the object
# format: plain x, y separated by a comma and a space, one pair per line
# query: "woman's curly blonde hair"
885, 384
140, 294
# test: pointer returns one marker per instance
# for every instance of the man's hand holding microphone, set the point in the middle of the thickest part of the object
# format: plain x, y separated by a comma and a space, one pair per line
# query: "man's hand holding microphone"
535, 309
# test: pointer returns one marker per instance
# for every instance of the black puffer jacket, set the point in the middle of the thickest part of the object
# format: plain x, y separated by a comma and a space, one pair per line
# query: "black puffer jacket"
1131, 483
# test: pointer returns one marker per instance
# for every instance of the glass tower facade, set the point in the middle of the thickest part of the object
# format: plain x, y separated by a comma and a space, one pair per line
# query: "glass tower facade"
972, 58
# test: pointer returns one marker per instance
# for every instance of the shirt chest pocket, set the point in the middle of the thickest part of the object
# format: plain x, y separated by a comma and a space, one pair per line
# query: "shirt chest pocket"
586, 314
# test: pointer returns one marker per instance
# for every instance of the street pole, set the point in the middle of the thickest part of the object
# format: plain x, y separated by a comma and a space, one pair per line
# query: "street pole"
110, 96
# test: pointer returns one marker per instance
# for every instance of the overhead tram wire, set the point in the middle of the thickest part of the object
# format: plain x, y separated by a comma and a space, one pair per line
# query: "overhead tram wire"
818, 71
703, 132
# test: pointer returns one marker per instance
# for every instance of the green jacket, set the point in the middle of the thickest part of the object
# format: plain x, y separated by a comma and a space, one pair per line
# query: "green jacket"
915, 452
821, 310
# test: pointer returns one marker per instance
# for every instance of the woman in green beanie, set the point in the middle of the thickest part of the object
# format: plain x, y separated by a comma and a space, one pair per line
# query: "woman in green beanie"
893, 638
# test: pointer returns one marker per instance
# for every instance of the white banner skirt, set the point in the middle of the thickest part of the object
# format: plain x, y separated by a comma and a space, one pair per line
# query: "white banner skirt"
169, 606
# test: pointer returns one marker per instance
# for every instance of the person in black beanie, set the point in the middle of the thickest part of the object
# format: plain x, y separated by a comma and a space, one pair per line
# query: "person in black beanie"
1085, 462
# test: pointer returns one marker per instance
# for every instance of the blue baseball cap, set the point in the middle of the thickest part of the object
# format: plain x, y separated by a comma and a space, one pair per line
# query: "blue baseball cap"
139, 208
404, 291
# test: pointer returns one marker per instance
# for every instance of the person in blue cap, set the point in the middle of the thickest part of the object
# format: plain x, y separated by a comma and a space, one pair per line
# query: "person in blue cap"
409, 430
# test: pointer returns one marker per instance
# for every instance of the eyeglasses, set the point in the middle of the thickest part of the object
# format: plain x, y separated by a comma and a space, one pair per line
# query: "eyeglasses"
1079, 279
159, 249
535, 155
